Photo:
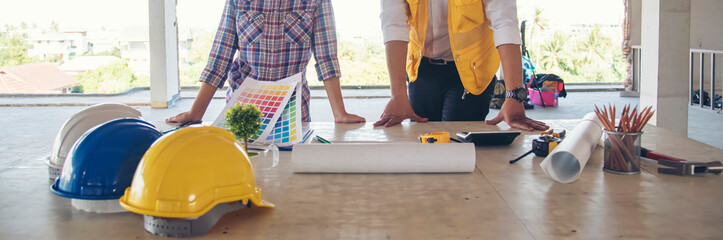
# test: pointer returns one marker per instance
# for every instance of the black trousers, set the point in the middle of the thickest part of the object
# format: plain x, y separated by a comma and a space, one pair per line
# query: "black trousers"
437, 95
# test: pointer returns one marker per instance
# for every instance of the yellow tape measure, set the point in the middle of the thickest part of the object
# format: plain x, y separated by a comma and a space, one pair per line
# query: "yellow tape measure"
435, 137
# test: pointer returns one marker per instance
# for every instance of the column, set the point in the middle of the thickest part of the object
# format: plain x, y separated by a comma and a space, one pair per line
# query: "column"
164, 52
665, 43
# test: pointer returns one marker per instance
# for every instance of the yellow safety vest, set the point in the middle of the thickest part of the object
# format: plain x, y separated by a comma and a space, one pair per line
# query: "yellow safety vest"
471, 39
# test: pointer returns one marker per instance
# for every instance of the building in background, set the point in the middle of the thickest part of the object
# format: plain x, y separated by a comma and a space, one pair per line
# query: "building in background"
56, 45
135, 47
79, 65
103, 40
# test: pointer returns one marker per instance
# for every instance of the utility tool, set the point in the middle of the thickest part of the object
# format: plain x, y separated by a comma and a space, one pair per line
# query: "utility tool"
681, 167
644, 152
435, 137
553, 133
689, 168
541, 147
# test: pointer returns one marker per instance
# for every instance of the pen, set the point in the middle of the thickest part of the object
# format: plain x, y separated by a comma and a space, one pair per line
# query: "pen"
321, 139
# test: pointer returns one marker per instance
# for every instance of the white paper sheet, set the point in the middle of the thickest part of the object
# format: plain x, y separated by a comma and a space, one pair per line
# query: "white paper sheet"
566, 161
383, 158
280, 107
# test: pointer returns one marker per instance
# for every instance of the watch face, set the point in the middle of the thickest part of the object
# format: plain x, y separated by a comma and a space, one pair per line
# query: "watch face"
521, 94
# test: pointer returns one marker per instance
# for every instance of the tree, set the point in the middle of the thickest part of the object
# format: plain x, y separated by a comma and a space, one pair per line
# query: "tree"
554, 52
197, 58
361, 64
539, 24
244, 122
14, 48
596, 47
113, 78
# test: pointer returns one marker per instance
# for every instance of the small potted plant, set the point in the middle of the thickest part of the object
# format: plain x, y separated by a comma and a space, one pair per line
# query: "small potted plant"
244, 122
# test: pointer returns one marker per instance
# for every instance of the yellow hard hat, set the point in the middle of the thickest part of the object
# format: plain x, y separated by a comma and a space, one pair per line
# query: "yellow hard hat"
186, 173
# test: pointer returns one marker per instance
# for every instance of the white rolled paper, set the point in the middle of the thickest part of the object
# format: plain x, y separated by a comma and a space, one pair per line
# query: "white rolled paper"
566, 161
383, 158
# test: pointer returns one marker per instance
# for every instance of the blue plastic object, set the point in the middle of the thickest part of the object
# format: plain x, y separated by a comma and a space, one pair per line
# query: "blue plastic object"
102, 162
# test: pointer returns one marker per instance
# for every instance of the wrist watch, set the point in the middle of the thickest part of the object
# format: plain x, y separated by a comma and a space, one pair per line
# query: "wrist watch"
519, 94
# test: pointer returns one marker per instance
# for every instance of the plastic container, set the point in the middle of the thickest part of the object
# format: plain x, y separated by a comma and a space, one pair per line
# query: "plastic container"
550, 97
622, 152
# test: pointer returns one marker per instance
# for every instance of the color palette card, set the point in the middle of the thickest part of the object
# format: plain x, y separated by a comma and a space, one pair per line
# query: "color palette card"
285, 131
280, 105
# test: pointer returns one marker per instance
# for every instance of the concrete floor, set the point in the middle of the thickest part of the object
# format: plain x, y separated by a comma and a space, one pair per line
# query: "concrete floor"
28, 129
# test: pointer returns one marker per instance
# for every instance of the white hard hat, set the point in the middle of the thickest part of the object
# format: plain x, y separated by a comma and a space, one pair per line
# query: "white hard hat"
78, 124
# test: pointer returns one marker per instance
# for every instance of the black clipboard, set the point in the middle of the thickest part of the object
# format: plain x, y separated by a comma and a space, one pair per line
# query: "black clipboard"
488, 138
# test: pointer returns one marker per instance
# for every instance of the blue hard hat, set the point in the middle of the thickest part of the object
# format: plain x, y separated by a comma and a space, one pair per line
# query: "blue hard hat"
102, 162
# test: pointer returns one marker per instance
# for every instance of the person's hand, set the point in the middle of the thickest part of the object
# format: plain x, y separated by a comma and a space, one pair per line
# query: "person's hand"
183, 118
513, 112
349, 118
396, 111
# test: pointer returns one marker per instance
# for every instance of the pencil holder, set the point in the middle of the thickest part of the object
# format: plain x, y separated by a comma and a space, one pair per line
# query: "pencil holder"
622, 152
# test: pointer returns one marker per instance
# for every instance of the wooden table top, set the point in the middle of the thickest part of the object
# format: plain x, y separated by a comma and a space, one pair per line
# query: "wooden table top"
497, 200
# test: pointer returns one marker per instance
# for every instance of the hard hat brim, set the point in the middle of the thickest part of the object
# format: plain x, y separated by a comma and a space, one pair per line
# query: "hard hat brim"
255, 200
54, 189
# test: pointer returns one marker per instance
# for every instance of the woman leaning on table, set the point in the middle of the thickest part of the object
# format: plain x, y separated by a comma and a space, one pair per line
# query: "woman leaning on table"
451, 51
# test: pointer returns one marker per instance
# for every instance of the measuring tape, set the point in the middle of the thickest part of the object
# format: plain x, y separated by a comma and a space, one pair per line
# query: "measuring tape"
435, 137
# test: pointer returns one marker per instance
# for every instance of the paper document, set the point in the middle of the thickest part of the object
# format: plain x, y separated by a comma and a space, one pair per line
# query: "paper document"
280, 104
565, 163
383, 158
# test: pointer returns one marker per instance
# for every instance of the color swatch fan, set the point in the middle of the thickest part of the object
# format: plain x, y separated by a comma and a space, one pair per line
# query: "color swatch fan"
280, 104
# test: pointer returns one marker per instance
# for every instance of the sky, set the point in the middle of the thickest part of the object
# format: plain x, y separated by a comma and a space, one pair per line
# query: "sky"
351, 15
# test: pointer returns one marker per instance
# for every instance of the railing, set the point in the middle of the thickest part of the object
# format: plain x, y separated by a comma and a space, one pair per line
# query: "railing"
695, 54
701, 76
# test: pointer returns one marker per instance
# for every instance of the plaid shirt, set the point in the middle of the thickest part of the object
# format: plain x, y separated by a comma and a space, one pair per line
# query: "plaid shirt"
274, 39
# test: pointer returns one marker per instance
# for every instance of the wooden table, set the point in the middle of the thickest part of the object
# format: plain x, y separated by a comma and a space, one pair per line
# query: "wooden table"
497, 200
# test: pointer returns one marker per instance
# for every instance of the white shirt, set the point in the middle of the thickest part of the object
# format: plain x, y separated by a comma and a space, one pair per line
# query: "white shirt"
502, 15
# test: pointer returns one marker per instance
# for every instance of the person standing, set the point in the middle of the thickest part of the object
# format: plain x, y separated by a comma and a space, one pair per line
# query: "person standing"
449, 52
274, 40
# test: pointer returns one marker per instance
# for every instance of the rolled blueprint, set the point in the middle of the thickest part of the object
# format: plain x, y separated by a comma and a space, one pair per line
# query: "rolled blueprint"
383, 158
566, 161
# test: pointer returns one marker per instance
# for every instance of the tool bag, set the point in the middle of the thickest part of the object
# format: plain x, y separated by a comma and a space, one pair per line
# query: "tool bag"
706, 99
552, 82
498, 96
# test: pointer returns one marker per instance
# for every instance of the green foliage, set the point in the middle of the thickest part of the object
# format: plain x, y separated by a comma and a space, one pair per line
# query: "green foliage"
191, 68
243, 122
113, 78
190, 74
554, 53
14, 48
77, 89
361, 64
591, 57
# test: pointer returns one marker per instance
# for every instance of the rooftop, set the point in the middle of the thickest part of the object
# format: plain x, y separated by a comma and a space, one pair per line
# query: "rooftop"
34, 78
